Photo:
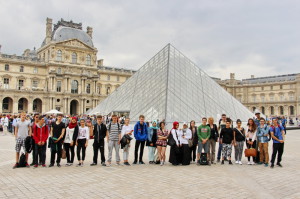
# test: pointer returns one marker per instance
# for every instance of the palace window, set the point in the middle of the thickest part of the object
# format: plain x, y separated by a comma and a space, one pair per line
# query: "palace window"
88, 88
21, 69
21, 84
35, 70
88, 60
74, 86
58, 86
108, 77
6, 67
59, 71
74, 58
6, 83
59, 55
118, 78
35, 84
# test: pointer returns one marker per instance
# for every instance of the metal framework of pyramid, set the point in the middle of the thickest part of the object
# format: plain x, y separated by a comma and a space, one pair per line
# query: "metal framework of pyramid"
171, 87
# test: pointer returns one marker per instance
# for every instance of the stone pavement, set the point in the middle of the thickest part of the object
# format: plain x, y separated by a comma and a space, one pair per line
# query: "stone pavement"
151, 181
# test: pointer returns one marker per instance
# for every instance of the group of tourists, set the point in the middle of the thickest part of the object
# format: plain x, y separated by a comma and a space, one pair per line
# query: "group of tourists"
188, 144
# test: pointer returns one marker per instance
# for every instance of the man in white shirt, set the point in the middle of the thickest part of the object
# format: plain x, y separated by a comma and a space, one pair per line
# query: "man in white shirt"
22, 130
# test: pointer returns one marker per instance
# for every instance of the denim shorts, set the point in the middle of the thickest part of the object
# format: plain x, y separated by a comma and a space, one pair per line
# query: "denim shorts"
203, 146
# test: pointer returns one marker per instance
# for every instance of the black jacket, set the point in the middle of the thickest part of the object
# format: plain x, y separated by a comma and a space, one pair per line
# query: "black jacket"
99, 135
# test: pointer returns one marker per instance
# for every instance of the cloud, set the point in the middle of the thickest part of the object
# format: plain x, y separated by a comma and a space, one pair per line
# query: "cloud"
245, 37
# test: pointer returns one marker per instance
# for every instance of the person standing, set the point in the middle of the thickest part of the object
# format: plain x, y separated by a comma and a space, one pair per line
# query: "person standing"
251, 138
82, 141
283, 124
57, 133
175, 157
277, 134
22, 130
239, 141
203, 137
70, 140
185, 135
226, 137
40, 136
214, 135
194, 138
113, 137
262, 137
141, 135
222, 124
151, 142
161, 143
126, 130
99, 134
35, 121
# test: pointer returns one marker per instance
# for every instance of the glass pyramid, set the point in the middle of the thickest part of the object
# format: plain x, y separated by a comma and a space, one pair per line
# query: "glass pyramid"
171, 87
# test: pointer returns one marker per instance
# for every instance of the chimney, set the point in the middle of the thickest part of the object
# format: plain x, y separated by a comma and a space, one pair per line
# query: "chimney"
100, 62
232, 75
89, 31
252, 76
48, 30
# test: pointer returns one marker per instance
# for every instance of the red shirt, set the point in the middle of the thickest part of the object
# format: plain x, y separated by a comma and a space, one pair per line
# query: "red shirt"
40, 134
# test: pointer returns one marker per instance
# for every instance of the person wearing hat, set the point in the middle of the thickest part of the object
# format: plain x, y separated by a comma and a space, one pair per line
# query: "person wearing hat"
257, 117
185, 135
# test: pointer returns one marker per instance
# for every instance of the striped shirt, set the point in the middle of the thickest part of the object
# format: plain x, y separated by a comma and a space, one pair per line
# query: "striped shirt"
114, 131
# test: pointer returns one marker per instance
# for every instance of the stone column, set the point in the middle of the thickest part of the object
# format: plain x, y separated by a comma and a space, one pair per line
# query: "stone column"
15, 105
95, 86
65, 86
1, 104
30, 104
53, 103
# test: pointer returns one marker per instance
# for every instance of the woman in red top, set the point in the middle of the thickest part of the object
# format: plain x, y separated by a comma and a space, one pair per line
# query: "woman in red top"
40, 136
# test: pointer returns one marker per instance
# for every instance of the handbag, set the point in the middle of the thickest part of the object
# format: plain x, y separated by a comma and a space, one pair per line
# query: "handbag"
63, 154
191, 143
250, 152
171, 140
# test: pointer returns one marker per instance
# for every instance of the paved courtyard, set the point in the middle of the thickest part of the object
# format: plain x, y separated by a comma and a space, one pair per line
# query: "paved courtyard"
151, 181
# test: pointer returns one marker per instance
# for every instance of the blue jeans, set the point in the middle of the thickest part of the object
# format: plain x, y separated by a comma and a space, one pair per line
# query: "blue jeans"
219, 151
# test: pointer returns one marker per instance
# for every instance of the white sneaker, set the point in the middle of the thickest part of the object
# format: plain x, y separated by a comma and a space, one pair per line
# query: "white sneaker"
240, 163
236, 162
249, 163
161, 163
252, 163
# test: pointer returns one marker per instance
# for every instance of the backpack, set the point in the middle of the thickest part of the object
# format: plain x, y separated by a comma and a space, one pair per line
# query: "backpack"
272, 128
29, 144
203, 159
109, 127
22, 160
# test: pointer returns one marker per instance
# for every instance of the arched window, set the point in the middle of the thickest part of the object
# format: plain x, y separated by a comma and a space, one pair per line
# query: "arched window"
59, 55
74, 86
88, 60
272, 110
74, 58
88, 88
281, 110
292, 112
108, 90
253, 108
21, 69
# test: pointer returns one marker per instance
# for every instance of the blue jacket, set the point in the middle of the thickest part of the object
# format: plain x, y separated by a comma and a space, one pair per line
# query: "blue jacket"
262, 134
138, 134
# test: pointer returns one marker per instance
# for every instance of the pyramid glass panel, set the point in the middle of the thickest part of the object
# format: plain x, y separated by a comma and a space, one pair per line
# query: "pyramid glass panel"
171, 87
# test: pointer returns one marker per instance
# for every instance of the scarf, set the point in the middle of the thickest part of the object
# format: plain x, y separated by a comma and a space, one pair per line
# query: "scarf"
73, 125
174, 125
154, 127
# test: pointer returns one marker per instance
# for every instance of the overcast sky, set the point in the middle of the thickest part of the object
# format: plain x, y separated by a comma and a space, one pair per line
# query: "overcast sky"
246, 37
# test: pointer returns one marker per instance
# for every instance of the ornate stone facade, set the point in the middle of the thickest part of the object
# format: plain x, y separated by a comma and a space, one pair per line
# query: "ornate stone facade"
63, 74
273, 95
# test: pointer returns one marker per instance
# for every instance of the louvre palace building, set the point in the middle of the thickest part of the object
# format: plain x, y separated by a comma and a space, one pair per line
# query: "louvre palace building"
65, 74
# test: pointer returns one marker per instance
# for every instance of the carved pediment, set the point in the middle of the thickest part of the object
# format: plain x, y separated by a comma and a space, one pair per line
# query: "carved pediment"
75, 43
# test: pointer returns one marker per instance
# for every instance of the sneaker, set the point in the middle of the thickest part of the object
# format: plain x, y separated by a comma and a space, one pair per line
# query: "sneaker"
249, 163
58, 165
81, 165
157, 162
134, 162
67, 165
51, 165
222, 162
141, 162
278, 164
127, 164
118, 164
35, 166
212, 162
103, 164
161, 163
229, 161
240, 162
266, 164
236, 162
27, 165
78, 165
43, 165
272, 166
93, 164
32, 164
252, 163
109, 164
259, 163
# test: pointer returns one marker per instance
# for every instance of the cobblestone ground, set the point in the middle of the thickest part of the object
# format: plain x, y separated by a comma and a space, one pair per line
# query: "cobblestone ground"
151, 181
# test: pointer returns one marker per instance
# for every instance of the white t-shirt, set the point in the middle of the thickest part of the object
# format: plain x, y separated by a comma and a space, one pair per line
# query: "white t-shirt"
23, 128
126, 129
69, 135
83, 133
